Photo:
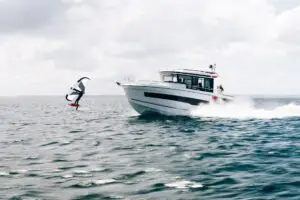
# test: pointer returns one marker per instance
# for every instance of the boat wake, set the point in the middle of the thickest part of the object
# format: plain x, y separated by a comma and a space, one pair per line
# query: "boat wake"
246, 109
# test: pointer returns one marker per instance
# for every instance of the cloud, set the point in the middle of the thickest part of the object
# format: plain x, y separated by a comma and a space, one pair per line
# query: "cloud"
283, 5
288, 31
255, 43
18, 15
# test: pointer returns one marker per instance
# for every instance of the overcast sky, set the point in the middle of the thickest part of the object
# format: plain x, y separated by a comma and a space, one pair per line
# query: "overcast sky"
46, 45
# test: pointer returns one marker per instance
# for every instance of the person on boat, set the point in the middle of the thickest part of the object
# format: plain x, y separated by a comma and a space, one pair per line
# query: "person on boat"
221, 88
200, 86
212, 67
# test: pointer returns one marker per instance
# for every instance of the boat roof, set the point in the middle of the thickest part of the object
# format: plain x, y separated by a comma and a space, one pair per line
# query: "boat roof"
194, 72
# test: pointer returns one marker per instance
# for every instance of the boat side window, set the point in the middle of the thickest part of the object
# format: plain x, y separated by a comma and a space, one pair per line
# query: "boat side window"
194, 82
180, 78
187, 80
201, 84
208, 84
170, 78
175, 78
167, 78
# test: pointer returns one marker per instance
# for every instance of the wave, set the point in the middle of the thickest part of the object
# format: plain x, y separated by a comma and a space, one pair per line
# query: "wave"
245, 108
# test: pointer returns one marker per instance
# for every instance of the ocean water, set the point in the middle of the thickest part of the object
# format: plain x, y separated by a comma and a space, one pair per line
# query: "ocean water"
246, 150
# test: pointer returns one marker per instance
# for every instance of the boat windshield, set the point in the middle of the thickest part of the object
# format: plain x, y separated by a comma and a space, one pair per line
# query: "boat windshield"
205, 84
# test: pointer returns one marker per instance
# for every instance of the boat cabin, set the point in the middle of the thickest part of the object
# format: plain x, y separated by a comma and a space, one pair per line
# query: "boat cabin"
193, 79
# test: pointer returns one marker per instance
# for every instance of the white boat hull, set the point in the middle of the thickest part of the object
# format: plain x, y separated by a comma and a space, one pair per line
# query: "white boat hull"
160, 98
149, 108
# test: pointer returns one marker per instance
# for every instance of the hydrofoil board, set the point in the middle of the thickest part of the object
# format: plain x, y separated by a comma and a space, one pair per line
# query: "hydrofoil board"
74, 104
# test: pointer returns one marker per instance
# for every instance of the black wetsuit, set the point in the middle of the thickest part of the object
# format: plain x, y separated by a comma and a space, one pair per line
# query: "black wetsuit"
80, 93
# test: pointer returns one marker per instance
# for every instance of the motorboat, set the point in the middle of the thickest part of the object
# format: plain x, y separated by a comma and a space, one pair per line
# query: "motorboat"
177, 93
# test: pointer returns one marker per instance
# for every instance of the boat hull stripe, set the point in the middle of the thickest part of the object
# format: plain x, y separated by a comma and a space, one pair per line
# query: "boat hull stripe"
188, 100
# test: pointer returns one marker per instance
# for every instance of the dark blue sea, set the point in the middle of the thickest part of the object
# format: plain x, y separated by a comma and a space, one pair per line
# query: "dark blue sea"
247, 150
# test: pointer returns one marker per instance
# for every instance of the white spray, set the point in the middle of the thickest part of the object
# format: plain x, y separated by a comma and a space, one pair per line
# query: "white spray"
243, 108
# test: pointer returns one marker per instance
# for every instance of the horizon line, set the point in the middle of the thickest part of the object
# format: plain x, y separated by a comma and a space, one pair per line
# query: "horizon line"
95, 95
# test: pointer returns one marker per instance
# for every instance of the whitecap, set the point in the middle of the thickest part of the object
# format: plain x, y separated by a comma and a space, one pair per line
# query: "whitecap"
33, 157
184, 185
153, 170
4, 174
81, 172
67, 176
104, 181
65, 142
97, 169
189, 155
23, 171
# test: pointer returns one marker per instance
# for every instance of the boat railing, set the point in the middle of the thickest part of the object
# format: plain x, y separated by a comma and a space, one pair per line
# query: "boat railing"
149, 81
